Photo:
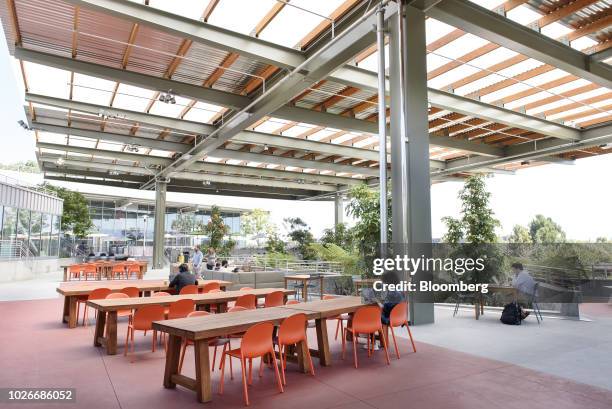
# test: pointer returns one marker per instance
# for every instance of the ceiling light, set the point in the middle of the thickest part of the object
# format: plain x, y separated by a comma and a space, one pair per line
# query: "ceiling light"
206, 182
60, 161
606, 145
167, 97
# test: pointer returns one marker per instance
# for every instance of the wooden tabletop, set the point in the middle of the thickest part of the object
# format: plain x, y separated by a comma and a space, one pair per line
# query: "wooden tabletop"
84, 288
215, 325
298, 277
115, 304
329, 308
308, 276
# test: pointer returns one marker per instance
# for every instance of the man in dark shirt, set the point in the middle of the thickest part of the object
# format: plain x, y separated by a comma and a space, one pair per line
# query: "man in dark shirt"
183, 278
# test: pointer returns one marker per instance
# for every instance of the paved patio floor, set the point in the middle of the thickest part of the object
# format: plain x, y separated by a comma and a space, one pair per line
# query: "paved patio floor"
38, 351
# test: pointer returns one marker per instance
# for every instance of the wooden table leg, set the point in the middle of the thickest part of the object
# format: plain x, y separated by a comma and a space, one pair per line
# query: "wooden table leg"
72, 312
305, 290
111, 333
100, 325
321, 285
65, 273
303, 361
202, 367
66, 310
323, 342
476, 310
172, 360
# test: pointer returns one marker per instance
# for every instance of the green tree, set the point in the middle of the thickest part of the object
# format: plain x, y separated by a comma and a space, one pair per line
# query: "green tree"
476, 224
340, 235
299, 232
185, 223
364, 206
216, 230
255, 222
520, 234
544, 230
75, 216
274, 244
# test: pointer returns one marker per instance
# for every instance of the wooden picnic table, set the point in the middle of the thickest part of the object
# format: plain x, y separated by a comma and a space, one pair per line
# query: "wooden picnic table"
493, 288
305, 278
104, 268
107, 309
201, 329
75, 290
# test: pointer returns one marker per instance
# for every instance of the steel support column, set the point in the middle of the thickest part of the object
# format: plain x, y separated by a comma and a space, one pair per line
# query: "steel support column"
160, 223
411, 202
338, 209
382, 124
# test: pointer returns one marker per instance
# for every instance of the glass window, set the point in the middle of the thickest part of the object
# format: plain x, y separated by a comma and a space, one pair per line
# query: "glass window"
55, 229
9, 223
23, 225
45, 234
131, 228
120, 217
35, 229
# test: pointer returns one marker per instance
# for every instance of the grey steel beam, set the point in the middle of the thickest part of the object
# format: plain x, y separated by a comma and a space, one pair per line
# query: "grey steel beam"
296, 162
246, 137
176, 185
231, 170
498, 29
601, 56
70, 164
258, 49
315, 68
305, 115
468, 106
541, 150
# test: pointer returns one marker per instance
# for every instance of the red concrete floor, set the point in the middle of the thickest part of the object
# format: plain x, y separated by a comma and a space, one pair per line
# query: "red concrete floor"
36, 350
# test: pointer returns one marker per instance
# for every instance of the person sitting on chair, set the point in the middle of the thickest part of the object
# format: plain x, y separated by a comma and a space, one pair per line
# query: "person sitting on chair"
182, 279
525, 285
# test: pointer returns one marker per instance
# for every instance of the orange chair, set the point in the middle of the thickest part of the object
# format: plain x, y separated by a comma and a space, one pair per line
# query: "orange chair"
215, 342
290, 302
119, 271
189, 289
274, 299
121, 313
256, 343
248, 301
291, 332
397, 318
180, 309
75, 271
245, 289
237, 309
133, 269
160, 294
97, 294
143, 321
131, 292
341, 318
209, 287
366, 320
90, 270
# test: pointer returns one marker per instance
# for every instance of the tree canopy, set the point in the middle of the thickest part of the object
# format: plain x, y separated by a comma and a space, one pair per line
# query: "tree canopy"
75, 217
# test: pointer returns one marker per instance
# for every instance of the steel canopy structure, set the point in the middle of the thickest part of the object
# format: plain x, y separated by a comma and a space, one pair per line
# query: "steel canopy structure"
264, 99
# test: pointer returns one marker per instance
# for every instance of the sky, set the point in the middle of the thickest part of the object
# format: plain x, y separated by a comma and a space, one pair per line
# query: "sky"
578, 197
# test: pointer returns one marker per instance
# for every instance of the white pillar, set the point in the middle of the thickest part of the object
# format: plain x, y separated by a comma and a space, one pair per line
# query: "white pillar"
160, 223
338, 210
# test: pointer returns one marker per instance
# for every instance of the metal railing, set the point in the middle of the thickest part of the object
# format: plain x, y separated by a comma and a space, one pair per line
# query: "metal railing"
15, 249
25, 185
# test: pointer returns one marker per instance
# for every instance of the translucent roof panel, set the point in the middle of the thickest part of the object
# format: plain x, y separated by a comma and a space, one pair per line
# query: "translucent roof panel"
271, 125
371, 62
291, 25
47, 80
435, 29
108, 146
134, 98
240, 15
191, 9
92, 89
202, 112
168, 109
523, 15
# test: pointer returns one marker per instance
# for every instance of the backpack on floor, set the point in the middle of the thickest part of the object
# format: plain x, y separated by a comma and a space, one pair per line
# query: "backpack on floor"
512, 314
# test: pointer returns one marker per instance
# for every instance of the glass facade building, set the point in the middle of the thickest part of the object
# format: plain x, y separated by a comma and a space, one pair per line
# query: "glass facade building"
120, 223
30, 222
